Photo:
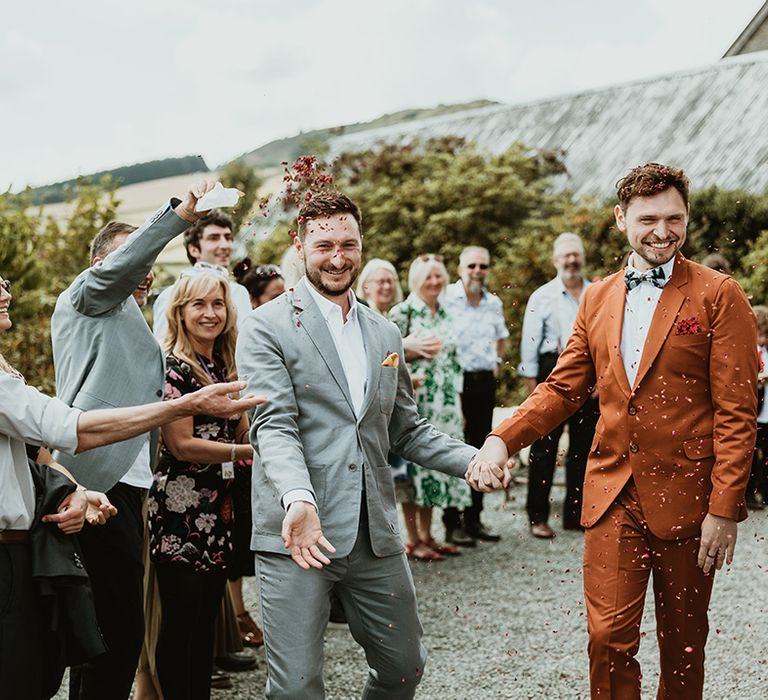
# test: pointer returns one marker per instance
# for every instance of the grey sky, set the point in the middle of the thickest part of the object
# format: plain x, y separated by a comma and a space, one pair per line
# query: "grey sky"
95, 84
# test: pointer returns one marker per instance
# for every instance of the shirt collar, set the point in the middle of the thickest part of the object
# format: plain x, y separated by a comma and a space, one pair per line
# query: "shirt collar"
563, 290
668, 266
460, 292
328, 307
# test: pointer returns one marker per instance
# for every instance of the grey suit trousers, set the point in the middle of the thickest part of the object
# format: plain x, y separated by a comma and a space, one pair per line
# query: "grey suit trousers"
379, 600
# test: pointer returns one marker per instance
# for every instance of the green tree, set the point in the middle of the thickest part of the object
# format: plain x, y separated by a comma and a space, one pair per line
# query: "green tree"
240, 175
41, 256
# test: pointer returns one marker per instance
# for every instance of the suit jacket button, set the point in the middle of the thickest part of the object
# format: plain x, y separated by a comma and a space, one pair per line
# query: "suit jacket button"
352, 467
78, 563
159, 393
632, 411
633, 447
392, 527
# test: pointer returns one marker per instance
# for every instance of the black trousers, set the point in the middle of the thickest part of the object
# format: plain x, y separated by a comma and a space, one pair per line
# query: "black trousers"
190, 602
758, 478
541, 466
113, 559
477, 403
21, 662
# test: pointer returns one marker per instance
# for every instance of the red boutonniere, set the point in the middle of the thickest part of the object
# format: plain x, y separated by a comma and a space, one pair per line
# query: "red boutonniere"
689, 326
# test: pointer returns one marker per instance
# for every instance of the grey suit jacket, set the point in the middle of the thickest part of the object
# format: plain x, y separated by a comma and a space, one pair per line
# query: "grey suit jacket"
103, 350
307, 435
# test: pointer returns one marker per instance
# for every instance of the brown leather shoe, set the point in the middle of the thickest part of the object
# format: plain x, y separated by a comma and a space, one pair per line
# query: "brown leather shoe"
542, 531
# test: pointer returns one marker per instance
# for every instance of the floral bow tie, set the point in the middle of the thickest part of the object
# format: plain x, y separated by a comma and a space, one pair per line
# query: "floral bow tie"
655, 276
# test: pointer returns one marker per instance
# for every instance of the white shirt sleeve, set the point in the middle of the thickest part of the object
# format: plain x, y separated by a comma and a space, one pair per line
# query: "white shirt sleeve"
32, 417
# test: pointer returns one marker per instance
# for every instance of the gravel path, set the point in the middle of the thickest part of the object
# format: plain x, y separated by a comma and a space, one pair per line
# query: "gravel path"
508, 621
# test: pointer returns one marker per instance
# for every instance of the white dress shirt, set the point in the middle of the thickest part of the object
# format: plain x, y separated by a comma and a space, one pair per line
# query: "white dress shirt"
640, 305
27, 416
348, 340
547, 323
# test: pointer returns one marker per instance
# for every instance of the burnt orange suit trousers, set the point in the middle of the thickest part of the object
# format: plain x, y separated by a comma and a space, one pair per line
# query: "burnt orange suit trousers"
620, 553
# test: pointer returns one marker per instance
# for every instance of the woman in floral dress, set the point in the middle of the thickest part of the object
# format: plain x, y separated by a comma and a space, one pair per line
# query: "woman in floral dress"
190, 502
439, 382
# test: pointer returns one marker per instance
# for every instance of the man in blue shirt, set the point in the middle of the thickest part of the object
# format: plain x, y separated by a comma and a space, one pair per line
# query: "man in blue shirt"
547, 325
481, 334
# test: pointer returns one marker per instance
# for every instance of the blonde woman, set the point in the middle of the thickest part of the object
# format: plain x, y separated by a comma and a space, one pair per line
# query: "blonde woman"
378, 285
438, 377
190, 502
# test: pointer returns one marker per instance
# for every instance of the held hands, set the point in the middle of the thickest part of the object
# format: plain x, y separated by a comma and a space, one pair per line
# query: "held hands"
718, 541
81, 506
214, 400
489, 470
186, 210
302, 534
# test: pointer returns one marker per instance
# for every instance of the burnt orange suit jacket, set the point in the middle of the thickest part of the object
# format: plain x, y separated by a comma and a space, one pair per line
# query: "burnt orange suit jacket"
686, 431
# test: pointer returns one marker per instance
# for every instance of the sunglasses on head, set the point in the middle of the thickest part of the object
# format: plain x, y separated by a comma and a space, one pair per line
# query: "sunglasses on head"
431, 256
482, 266
6, 285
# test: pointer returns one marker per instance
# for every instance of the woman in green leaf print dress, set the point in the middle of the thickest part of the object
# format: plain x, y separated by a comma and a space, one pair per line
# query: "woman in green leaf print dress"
438, 385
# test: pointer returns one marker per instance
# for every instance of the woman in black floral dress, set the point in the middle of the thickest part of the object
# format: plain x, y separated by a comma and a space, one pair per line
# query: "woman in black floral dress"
190, 502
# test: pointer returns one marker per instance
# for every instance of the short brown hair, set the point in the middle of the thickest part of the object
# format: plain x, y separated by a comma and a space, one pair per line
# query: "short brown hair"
761, 314
104, 241
328, 203
650, 179
194, 233
718, 262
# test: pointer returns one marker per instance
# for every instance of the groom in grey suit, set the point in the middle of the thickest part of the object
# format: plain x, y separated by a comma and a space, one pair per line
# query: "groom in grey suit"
339, 399
105, 356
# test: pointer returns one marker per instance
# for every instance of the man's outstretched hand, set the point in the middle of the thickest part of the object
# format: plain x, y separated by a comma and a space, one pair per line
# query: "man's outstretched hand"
186, 210
302, 534
488, 469
718, 542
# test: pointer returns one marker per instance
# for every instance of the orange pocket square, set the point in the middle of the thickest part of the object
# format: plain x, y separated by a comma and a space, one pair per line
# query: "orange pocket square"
391, 360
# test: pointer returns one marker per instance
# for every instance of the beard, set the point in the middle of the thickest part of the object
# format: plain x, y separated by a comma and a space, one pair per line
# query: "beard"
314, 275
474, 286
569, 275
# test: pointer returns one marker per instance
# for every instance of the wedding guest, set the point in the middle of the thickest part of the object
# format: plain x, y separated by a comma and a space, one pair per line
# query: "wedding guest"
716, 261
437, 400
105, 355
190, 501
757, 488
378, 286
28, 419
481, 335
291, 267
547, 325
208, 244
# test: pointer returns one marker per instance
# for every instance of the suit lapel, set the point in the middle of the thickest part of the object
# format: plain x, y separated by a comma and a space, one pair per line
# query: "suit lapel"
374, 357
614, 314
672, 298
309, 318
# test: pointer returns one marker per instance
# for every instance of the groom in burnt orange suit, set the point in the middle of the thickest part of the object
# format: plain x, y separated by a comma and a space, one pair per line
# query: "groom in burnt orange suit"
671, 347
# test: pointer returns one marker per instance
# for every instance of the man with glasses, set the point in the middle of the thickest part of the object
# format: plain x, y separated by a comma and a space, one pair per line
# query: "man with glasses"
481, 334
547, 325
208, 243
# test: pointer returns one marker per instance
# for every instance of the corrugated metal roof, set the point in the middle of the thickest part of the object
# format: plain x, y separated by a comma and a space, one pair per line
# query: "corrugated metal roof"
713, 122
